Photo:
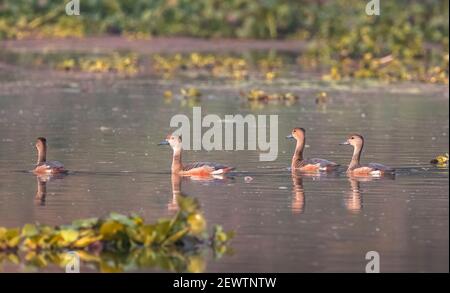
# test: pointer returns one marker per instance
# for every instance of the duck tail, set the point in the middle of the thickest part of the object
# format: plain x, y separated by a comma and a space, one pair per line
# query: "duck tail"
222, 170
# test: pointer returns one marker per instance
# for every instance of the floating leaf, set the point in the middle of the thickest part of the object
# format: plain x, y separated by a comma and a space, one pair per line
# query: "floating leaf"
125, 220
110, 228
440, 160
69, 235
162, 230
197, 223
84, 223
86, 241
257, 95
220, 237
188, 204
177, 236
115, 239
29, 230
190, 92
168, 94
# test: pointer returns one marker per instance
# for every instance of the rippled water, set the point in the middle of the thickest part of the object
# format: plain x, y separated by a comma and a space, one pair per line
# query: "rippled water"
107, 136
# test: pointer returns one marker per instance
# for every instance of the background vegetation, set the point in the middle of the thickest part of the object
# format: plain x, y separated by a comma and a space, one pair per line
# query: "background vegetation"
400, 20
338, 32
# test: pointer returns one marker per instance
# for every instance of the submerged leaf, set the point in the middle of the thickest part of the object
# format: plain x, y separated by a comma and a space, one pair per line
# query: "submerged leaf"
196, 264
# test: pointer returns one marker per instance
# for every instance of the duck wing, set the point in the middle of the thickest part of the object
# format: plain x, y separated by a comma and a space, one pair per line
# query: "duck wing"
55, 164
321, 162
207, 165
381, 167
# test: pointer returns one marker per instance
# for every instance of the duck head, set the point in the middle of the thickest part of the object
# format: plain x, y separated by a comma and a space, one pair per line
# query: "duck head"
355, 140
297, 133
174, 141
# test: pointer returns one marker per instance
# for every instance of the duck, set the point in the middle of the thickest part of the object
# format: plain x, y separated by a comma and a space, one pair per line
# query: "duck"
307, 165
44, 167
197, 169
355, 168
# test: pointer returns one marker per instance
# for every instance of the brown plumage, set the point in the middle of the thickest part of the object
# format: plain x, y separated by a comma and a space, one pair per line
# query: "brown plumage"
193, 169
42, 165
307, 165
355, 168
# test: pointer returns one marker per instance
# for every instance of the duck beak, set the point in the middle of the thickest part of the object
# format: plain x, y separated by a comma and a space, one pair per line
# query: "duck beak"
344, 143
290, 136
164, 142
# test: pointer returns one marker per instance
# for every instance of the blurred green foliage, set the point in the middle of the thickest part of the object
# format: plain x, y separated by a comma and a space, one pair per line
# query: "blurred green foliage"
400, 21
408, 41
126, 241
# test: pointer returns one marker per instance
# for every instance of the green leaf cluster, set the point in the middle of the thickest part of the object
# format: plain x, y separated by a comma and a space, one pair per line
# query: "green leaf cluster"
118, 242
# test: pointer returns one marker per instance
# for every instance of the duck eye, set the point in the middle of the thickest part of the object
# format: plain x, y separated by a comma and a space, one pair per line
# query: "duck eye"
353, 137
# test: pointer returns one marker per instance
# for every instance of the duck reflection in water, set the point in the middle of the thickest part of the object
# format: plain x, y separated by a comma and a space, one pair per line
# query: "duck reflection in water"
41, 186
41, 191
298, 194
177, 179
353, 199
172, 206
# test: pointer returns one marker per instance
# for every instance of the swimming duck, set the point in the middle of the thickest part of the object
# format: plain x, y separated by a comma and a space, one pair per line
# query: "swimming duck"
43, 166
199, 169
355, 168
307, 165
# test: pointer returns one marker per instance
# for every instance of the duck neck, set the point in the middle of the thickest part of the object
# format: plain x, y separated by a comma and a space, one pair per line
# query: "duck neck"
298, 153
354, 163
42, 155
176, 161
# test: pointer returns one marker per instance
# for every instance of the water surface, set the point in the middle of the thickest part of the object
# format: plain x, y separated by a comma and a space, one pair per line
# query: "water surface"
107, 135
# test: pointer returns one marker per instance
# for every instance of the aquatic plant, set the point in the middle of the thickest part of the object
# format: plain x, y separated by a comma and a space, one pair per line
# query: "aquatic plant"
390, 69
217, 65
171, 243
441, 160
124, 64
322, 98
408, 41
399, 20
201, 64
261, 96
191, 92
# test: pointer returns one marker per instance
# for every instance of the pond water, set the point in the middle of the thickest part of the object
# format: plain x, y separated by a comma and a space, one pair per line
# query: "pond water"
107, 136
